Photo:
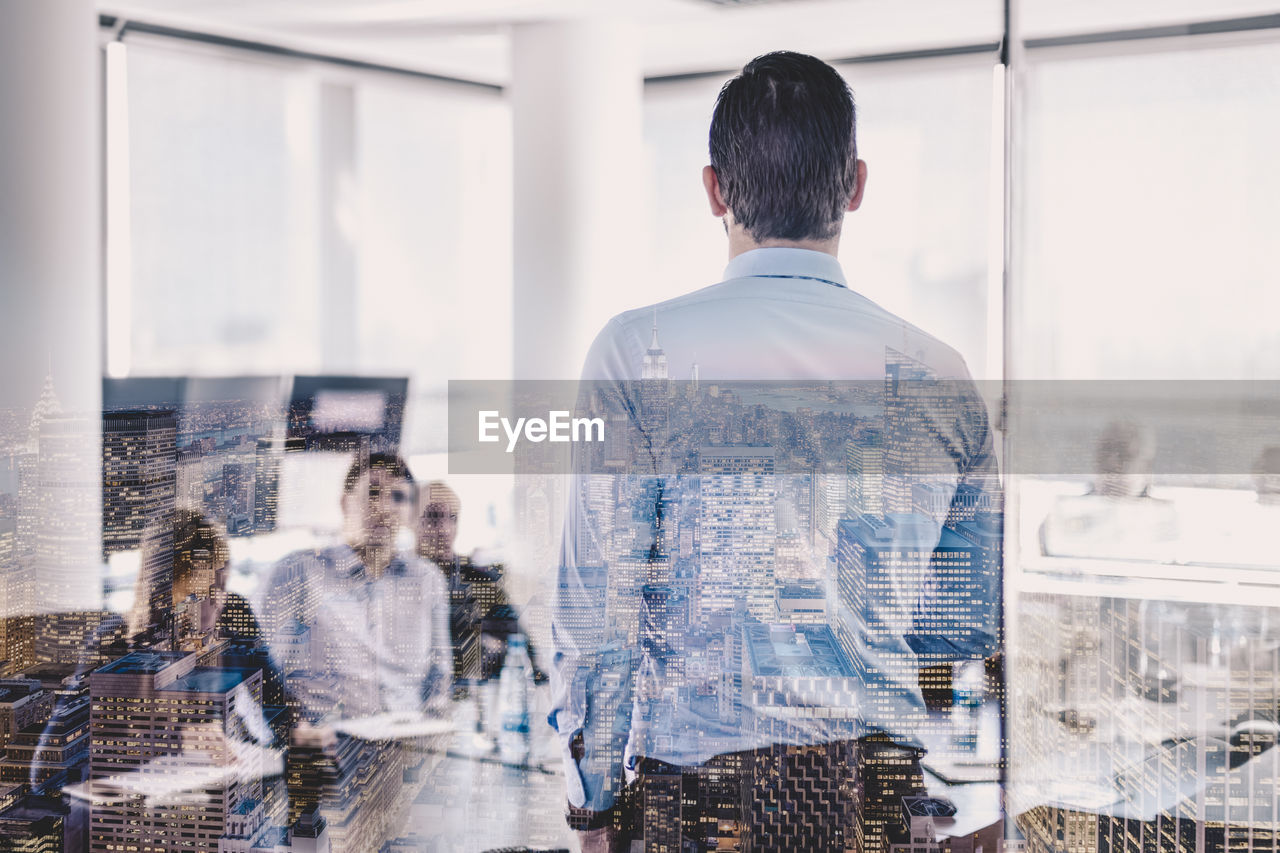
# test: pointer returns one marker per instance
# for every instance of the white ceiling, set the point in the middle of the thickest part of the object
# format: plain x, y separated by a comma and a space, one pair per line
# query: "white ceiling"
471, 38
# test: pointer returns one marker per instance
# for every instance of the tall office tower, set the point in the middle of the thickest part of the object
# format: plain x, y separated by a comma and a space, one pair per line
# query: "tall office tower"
952, 608
17, 563
139, 494
615, 667
171, 753
190, 479
594, 537
881, 565
139, 474
78, 639
47, 407
832, 497
864, 463
22, 598
887, 774
580, 605
793, 557
623, 598
915, 404
737, 490
68, 527
661, 813
237, 498
293, 595
8, 574
655, 404
266, 484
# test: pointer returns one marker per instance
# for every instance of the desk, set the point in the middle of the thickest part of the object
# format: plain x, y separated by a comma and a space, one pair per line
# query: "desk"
471, 801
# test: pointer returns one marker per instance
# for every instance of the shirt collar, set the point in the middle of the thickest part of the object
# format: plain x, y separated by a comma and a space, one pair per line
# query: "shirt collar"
778, 262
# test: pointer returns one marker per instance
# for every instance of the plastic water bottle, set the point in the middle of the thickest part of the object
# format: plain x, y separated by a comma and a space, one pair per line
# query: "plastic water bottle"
515, 690
968, 690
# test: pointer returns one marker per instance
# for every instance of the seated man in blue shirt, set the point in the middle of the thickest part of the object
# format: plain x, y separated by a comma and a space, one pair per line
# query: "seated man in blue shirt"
826, 452
361, 628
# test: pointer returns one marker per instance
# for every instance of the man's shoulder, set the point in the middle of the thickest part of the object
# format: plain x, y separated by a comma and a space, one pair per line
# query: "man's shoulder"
728, 316
306, 564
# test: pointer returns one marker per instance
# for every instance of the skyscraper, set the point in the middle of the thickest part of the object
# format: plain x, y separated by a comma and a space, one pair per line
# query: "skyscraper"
139, 493
737, 529
917, 407
68, 522
139, 474
168, 763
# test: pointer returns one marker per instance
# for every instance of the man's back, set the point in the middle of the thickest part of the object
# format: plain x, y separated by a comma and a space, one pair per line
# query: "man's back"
797, 422
794, 513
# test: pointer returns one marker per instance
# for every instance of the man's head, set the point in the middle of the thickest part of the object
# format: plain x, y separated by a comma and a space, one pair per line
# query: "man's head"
438, 523
377, 501
784, 161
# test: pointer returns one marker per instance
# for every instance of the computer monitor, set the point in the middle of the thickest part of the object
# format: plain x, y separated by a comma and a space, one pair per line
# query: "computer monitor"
347, 413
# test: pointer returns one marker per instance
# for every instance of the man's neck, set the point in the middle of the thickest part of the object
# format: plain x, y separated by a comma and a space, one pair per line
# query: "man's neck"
740, 242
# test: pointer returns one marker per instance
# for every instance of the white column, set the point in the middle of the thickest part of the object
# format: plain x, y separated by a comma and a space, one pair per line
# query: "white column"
339, 305
50, 275
577, 90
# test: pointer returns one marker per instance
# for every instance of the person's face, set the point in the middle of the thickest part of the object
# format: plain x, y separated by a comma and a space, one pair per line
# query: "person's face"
376, 508
437, 530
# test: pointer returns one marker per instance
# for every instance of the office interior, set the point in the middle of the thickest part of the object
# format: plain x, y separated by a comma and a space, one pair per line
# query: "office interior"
281, 229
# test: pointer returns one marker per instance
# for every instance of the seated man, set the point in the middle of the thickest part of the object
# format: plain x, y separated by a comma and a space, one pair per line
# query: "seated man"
481, 617
360, 629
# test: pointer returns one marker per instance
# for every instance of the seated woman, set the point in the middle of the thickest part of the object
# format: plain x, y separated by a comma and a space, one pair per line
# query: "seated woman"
194, 609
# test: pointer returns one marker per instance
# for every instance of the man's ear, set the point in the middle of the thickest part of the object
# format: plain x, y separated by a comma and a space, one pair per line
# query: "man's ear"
856, 201
711, 183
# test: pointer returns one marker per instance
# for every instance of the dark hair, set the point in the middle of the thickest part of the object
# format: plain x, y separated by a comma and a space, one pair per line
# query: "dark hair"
782, 144
193, 534
389, 462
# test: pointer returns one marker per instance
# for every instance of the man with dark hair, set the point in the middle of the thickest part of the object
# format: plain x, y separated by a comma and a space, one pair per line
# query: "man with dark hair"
784, 161
362, 628
697, 706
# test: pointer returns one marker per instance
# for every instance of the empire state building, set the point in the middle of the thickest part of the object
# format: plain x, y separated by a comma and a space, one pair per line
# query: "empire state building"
654, 390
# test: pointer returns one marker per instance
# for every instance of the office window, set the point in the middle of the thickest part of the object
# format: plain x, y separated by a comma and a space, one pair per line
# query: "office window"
244, 176
1148, 216
1143, 665
434, 276
221, 154
1144, 251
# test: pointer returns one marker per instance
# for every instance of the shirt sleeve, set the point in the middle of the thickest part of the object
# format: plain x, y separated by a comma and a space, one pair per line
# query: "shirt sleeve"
959, 616
437, 685
593, 662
